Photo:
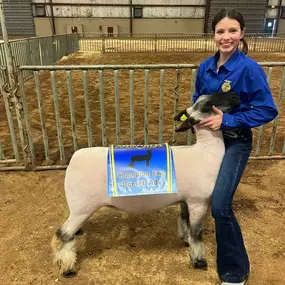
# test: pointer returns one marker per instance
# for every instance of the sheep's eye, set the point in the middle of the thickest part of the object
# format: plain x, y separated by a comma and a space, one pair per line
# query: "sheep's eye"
206, 108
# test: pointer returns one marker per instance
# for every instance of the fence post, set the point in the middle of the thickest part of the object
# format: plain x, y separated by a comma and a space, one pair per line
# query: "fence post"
7, 47
11, 92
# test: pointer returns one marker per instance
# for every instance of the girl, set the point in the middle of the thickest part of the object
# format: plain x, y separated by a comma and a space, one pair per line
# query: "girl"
230, 69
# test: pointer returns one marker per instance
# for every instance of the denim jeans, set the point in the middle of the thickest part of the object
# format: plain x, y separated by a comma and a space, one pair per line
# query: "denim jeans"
232, 260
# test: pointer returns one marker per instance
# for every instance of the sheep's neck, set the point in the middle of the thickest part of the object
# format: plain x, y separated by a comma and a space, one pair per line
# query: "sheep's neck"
208, 139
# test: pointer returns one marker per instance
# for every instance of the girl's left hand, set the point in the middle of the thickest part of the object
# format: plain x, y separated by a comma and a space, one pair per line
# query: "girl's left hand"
213, 122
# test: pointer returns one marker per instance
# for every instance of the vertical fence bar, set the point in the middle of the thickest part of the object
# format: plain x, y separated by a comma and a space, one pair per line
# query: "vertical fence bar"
28, 53
117, 103
42, 116
260, 129
146, 96
103, 44
40, 51
87, 109
2, 156
10, 121
57, 116
161, 105
27, 122
176, 93
72, 112
102, 108
275, 124
192, 91
132, 106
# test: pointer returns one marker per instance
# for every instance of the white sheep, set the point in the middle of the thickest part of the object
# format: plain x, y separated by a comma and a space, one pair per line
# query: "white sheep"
196, 168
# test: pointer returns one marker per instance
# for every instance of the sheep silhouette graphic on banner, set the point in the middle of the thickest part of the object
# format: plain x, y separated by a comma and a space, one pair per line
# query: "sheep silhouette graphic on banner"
139, 158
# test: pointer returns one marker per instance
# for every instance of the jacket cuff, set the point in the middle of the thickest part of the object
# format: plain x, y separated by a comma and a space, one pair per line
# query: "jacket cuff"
228, 121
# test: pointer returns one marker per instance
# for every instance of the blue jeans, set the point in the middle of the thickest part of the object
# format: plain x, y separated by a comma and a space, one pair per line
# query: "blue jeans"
232, 260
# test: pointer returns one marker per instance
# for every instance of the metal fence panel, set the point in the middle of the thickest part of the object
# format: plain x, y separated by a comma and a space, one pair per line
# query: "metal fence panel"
40, 50
173, 42
48, 117
68, 117
16, 142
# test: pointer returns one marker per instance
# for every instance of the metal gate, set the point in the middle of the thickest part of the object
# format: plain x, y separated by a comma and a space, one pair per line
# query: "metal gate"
64, 108
14, 139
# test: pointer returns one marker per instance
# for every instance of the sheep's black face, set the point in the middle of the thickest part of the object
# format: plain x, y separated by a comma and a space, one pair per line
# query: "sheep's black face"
203, 108
225, 101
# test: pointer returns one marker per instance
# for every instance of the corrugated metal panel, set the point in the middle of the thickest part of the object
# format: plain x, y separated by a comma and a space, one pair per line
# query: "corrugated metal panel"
252, 11
19, 17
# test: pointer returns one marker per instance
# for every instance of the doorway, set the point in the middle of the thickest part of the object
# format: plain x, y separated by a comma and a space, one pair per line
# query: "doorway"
269, 26
110, 31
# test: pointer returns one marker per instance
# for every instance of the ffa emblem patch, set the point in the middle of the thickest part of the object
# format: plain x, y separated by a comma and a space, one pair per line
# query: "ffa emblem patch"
226, 87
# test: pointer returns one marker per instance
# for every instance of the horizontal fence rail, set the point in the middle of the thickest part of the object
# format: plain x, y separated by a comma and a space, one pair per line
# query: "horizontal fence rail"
69, 107
172, 42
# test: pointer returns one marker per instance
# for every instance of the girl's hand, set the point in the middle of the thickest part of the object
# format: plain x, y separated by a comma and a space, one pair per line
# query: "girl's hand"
213, 122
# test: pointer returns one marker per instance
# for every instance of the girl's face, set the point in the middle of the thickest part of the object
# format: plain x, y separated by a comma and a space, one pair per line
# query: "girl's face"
228, 35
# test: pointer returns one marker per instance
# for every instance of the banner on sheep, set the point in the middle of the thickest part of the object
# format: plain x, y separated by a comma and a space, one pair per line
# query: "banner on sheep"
140, 170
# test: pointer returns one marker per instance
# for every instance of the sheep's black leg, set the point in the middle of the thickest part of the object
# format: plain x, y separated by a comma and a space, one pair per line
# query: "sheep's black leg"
197, 248
197, 251
183, 224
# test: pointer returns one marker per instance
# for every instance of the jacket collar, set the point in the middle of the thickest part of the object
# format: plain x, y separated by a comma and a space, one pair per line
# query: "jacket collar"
228, 65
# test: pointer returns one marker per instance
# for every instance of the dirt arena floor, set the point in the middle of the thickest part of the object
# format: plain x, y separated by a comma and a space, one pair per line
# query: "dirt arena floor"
118, 248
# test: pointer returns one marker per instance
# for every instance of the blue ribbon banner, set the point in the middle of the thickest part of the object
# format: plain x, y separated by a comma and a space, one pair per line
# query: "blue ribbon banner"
140, 170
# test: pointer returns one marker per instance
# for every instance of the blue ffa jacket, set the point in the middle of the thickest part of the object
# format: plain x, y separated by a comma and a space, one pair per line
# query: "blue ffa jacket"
247, 79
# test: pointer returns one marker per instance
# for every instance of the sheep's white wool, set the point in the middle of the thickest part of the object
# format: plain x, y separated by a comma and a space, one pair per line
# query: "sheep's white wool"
196, 169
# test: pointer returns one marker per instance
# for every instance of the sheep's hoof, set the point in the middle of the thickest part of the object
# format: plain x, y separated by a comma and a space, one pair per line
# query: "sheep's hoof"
80, 232
200, 264
184, 239
69, 273
186, 244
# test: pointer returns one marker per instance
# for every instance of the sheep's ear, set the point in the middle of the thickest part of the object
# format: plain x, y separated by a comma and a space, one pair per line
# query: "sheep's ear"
185, 126
181, 116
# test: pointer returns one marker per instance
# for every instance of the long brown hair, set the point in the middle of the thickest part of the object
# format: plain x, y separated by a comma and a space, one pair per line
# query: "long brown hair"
235, 15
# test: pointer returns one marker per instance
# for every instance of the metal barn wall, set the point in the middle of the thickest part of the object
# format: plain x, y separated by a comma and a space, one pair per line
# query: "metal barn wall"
94, 16
19, 17
253, 11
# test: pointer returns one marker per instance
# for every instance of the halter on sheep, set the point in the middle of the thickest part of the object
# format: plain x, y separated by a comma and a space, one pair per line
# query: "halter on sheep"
196, 169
